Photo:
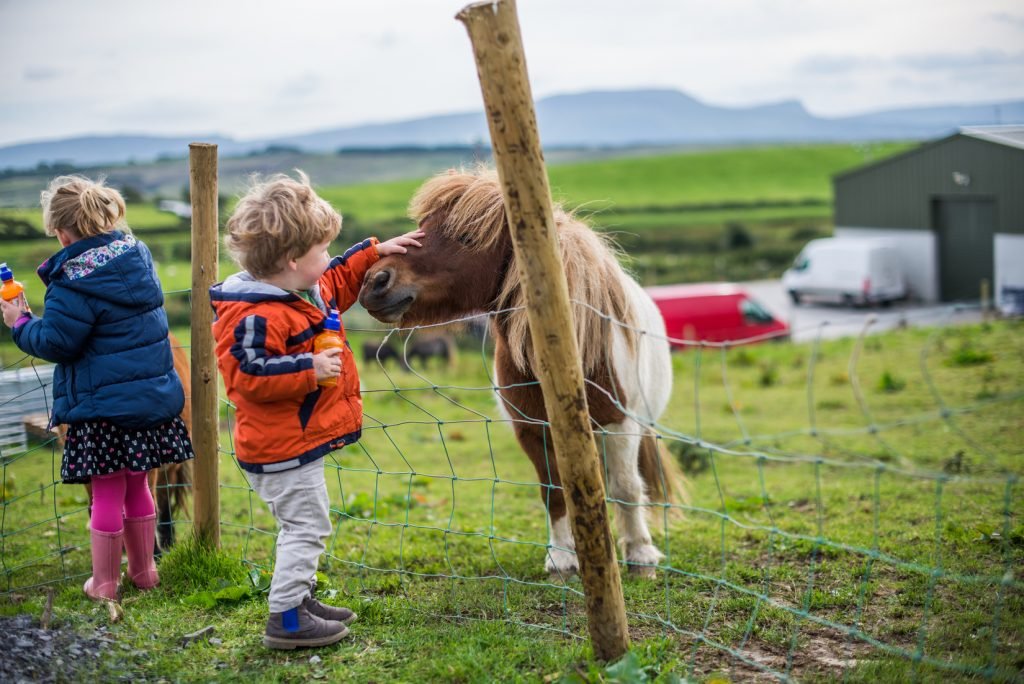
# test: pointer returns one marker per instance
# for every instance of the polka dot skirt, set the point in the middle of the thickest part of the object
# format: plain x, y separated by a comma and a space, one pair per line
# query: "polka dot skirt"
100, 448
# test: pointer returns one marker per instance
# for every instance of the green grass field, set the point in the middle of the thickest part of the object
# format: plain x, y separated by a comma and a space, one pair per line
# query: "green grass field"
845, 519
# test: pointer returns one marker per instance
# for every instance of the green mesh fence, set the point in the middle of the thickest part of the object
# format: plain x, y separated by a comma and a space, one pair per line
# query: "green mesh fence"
853, 505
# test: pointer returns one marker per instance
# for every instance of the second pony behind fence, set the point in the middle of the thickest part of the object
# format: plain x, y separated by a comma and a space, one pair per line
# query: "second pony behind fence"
420, 351
467, 265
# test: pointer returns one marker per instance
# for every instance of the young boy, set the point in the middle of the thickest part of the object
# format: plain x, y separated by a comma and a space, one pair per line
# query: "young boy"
266, 319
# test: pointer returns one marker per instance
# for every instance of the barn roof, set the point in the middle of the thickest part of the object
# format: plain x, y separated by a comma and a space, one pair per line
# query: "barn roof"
1009, 135
1003, 135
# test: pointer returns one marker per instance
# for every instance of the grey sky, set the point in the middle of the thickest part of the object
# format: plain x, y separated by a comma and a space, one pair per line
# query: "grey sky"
252, 68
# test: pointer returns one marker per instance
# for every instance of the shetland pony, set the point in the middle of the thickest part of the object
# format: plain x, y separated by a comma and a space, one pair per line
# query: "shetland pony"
433, 346
467, 265
380, 353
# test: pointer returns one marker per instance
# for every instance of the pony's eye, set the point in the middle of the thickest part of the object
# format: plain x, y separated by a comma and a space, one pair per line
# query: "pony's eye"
465, 239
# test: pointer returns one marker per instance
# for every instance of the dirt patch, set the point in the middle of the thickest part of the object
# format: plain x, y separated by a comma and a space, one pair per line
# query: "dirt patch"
33, 654
820, 652
828, 652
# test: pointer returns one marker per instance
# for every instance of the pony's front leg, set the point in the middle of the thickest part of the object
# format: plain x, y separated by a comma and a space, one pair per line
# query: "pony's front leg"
619, 446
561, 561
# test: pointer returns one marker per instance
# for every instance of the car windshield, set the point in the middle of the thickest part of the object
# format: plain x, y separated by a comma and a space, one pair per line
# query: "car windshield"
754, 313
801, 262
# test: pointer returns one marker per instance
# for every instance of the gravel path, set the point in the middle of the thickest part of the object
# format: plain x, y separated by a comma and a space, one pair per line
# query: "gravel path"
33, 654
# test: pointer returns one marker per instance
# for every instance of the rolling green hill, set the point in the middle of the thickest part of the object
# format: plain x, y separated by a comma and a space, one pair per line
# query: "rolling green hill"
735, 214
686, 182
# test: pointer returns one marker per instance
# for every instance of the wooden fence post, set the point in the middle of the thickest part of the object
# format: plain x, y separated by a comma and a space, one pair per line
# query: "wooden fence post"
205, 415
501, 65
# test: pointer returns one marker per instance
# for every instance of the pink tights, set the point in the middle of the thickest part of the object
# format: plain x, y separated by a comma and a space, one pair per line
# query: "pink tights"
124, 494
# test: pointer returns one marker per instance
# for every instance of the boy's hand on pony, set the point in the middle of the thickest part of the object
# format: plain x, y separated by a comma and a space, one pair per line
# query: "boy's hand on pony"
327, 364
397, 245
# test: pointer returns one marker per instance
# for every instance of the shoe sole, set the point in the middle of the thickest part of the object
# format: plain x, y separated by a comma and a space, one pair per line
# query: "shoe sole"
286, 644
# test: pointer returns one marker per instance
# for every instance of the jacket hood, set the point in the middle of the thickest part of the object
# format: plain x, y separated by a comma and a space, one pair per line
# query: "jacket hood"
115, 267
243, 287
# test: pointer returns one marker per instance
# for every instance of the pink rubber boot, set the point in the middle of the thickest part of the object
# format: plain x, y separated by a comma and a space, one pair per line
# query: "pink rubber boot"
139, 534
106, 566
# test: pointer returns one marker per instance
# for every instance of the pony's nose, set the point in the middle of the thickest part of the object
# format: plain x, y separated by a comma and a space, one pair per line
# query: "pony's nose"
380, 282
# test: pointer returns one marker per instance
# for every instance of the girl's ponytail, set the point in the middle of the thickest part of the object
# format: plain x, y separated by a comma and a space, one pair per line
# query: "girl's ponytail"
102, 209
81, 206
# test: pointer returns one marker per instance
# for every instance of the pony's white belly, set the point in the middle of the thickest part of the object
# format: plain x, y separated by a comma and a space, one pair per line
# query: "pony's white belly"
645, 371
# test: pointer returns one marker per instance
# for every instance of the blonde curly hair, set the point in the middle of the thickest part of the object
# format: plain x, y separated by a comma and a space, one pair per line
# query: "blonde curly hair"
278, 219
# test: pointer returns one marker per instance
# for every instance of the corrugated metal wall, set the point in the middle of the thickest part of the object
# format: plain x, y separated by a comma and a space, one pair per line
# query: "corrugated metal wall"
899, 192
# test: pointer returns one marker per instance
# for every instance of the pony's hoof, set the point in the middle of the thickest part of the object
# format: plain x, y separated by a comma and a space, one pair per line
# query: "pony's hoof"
642, 571
563, 576
561, 564
642, 561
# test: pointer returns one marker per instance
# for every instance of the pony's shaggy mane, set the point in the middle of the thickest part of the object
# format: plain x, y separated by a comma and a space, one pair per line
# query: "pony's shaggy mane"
473, 213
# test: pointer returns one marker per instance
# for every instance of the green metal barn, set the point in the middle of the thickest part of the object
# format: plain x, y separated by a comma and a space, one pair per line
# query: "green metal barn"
954, 209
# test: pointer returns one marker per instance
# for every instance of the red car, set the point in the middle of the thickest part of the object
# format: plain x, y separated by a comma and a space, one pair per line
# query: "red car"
714, 312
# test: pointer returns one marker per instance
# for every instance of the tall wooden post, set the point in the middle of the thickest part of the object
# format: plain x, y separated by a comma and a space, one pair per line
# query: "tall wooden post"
205, 417
501, 64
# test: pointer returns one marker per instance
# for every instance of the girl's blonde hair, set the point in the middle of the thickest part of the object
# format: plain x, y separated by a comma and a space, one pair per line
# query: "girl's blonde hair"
82, 207
278, 219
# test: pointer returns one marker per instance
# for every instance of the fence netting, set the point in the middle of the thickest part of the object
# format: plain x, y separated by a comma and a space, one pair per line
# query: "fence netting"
853, 505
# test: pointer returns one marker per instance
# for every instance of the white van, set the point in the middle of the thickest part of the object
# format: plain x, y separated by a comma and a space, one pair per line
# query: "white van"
853, 271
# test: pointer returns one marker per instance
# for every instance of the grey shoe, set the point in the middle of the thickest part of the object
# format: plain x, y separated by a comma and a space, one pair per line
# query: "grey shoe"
298, 628
322, 610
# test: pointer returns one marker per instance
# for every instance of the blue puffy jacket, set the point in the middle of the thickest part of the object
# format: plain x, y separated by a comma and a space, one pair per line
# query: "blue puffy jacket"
104, 326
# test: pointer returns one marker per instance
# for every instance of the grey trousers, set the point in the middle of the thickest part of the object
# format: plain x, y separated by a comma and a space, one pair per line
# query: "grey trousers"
298, 501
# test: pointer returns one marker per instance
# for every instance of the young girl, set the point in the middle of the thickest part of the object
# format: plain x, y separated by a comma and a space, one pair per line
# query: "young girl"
115, 386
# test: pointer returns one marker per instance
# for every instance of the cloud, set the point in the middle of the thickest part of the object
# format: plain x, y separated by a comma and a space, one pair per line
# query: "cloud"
953, 62
164, 113
386, 40
827, 65
253, 68
301, 86
1006, 18
41, 73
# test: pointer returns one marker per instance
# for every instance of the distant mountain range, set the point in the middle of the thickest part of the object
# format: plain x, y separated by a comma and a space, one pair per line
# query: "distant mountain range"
591, 119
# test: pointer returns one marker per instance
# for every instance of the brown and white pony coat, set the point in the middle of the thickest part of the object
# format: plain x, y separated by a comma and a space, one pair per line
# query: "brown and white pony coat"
467, 265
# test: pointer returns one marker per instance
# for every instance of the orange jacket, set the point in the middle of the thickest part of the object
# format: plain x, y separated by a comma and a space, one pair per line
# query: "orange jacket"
265, 354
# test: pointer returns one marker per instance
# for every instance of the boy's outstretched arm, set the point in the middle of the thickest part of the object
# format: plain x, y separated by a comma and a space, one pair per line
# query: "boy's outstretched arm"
345, 273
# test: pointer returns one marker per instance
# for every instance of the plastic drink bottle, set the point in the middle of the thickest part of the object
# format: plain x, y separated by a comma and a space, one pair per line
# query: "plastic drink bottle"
330, 338
11, 289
